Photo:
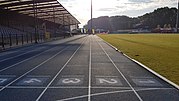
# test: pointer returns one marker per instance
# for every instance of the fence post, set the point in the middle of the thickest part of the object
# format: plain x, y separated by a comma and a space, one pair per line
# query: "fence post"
16, 40
2, 40
10, 40
31, 37
38, 37
22, 39
41, 37
27, 38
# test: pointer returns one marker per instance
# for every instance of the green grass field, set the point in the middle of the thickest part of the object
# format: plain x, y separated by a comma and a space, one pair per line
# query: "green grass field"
159, 52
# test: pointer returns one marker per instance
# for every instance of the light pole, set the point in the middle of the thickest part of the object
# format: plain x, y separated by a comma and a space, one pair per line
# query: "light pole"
177, 17
91, 17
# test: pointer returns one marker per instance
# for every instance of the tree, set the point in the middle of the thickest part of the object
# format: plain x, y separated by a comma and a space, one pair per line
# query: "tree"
160, 16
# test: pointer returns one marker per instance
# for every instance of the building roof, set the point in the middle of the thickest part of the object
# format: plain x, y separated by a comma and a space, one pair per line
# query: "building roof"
50, 10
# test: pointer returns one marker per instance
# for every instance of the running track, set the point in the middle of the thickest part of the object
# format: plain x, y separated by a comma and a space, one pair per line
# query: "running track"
80, 68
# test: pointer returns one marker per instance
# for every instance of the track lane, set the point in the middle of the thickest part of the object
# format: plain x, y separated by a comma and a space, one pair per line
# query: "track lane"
120, 72
68, 72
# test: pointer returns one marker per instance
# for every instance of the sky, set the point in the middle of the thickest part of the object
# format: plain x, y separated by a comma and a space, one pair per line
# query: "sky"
81, 9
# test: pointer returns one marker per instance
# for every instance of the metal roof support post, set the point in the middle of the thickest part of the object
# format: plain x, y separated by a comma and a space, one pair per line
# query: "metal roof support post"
76, 26
69, 23
35, 20
63, 26
8, 22
1, 17
54, 22
72, 24
63, 22
37, 25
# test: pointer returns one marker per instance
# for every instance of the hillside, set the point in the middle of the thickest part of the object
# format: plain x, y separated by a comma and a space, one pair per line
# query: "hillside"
159, 17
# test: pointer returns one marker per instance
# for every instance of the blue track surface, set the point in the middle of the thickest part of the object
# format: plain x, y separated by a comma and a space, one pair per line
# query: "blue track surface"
80, 68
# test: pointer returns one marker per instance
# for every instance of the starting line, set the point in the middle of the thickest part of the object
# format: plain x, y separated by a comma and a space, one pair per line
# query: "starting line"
74, 80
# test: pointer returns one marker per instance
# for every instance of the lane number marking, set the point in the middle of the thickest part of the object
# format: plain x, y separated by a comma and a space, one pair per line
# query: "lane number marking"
71, 80
146, 82
109, 81
5, 79
112, 81
2, 80
31, 81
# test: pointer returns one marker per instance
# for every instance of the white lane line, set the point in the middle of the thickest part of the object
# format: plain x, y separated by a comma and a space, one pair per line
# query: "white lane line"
120, 73
147, 89
26, 59
33, 68
58, 73
68, 87
89, 82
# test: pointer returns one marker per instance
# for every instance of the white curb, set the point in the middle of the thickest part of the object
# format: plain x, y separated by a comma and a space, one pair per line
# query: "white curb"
111, 45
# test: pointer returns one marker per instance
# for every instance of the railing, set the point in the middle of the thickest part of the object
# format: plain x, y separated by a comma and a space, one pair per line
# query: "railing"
11, 40
10, 37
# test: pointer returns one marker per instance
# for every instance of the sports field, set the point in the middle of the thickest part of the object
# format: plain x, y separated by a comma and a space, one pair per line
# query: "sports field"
159, 52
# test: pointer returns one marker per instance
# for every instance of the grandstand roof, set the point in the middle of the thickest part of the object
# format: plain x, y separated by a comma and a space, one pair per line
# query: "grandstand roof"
50, 10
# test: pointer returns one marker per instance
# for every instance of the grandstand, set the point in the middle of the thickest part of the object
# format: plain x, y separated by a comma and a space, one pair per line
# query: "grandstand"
32, 21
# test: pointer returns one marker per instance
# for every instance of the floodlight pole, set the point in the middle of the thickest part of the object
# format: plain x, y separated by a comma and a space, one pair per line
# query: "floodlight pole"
177, 17
91, 17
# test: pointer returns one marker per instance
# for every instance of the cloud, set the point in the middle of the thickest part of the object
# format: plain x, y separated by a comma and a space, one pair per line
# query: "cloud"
81, 8
141, 1
119, 7
107, 9
65, 0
